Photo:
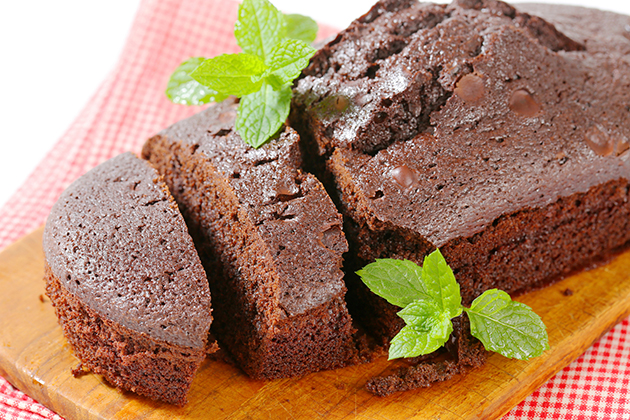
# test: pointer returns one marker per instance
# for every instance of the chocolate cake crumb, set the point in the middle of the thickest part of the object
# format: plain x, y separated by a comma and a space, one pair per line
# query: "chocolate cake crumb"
466, 352
420, 376
79, 371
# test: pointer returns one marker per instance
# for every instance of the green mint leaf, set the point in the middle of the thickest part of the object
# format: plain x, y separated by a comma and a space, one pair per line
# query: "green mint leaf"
288, 58
231, 74
300, 27
397, 281
419, 313
261, 114
507, 327
413, 341
441, 284
274, 81
183, 89
259, 28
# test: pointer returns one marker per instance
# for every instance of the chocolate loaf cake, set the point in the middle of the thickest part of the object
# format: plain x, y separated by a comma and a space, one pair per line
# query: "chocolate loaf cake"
126, 282
270, 235
497, 136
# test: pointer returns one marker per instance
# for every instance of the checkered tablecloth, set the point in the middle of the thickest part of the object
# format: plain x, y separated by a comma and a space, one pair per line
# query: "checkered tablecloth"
130, 106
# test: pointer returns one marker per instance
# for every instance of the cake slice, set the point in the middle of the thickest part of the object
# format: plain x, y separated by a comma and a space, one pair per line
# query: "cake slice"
477, 128
126, 282
270, 235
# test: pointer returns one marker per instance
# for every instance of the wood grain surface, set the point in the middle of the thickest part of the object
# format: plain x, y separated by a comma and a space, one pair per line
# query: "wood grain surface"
36, 358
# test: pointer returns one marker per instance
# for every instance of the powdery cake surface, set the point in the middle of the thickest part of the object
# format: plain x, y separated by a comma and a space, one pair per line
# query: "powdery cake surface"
499, 110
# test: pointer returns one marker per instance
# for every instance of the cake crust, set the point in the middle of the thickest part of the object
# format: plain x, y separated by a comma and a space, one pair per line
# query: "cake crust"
127, 285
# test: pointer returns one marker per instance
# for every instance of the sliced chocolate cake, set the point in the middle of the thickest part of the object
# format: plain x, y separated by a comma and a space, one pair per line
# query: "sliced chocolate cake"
497, 136
270, 236
126, 282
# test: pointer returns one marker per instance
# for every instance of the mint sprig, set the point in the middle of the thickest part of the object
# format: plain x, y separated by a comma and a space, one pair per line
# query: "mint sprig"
397, 281
430, 298
427, 329
287, 60
275, 50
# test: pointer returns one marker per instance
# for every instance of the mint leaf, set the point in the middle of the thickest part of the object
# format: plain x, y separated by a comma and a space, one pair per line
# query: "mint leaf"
288, 59
261, 114
183, 89
441, 284
413, 341
231, 74
300, 27
419, 313
259, 28
397, 281
507, 327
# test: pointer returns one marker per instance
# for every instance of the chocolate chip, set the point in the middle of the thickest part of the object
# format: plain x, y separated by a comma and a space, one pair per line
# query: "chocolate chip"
341, 103
470, 88
622, 145
524, 104
404, 176
599, 141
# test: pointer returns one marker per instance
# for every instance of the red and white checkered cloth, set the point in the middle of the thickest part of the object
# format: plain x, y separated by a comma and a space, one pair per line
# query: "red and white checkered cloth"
130, 106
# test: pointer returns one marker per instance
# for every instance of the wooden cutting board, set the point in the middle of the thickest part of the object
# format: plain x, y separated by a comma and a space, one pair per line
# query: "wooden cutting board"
36, 358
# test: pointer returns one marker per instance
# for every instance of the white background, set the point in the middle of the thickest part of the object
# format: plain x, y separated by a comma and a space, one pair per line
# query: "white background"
54, 55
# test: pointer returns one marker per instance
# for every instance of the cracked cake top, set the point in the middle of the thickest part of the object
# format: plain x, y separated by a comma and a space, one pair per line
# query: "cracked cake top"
447, 116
